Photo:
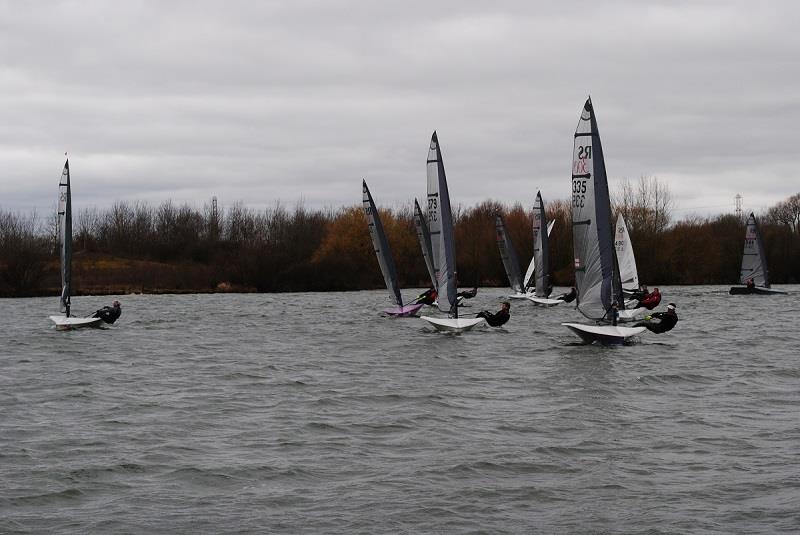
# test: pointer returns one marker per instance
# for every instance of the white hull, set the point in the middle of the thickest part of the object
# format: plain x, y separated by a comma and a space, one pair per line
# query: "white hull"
456, 325
603, 334
64, 323
632, 315
544, 301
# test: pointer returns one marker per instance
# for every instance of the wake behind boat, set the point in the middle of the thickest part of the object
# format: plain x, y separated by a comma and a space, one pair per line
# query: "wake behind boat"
443, 244
385, 258
67, 321
754, 274
597, 276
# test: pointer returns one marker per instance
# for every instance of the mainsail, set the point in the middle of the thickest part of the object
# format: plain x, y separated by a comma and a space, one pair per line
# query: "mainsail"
381, 246
754, 261
424, 236
532, 266
65, 237
596, 272
440, 221
509, 255
541, 249
627, 261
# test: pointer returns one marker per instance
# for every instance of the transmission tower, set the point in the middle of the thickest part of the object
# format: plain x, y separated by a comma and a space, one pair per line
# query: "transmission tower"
738, 203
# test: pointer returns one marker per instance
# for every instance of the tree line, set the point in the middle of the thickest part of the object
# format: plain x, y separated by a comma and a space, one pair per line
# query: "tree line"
133, 247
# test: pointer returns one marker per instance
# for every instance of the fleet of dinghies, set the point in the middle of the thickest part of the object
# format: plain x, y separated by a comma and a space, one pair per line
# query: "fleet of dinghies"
605, 264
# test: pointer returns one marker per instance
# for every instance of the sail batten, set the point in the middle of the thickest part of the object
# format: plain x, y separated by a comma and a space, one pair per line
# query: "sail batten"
381, 246
440, 221
509, 256
754, 259
597, 276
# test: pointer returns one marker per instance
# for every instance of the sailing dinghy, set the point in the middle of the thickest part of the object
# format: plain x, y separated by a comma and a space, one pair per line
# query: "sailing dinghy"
541, 255
754, 264
530, 282
510, 260
628, 273
597, 276
385, 259
443, 245
67, 321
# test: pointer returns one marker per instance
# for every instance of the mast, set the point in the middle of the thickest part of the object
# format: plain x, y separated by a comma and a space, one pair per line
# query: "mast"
381, 246
440, 219
596, 271
65, 236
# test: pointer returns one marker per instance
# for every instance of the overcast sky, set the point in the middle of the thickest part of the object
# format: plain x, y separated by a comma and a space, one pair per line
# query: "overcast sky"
263, 101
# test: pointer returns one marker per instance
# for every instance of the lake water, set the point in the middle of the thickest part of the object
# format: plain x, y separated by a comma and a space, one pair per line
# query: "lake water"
310, 413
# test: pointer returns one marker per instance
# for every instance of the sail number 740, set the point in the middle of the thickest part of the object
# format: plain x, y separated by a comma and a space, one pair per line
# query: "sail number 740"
578, 192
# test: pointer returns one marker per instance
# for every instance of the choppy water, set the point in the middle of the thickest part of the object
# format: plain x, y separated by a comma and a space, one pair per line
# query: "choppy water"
308, 413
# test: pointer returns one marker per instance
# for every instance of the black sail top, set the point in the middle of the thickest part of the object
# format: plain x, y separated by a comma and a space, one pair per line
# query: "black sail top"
381, 246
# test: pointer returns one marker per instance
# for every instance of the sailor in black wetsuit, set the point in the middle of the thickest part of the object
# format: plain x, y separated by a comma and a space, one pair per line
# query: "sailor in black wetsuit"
497, 319
569, 297
468, 294
109, 314
426, 298
667, 320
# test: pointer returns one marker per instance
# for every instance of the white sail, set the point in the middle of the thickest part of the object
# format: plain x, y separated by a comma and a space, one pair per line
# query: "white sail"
541, 249
532, 266
381, 246
65, 237
596, 271
627, 261
509, 256
754, 261
440, 221
424, 237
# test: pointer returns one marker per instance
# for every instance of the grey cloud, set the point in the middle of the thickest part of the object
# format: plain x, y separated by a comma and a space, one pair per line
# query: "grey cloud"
258, 101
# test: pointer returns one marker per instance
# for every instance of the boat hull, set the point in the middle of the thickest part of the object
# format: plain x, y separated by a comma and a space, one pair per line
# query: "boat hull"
544, 301
64, 323
603, 334
405, 311
758, 290
454, 325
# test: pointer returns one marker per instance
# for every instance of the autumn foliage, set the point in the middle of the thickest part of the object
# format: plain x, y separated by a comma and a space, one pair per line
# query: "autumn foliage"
139, 248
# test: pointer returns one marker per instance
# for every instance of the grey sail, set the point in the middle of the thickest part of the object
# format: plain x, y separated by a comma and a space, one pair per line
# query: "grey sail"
596, 273
381, 246
440, 221
424, 236
509, 256
541, 248
529, 280
628, 273
754, 261
65, 237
